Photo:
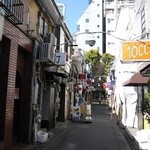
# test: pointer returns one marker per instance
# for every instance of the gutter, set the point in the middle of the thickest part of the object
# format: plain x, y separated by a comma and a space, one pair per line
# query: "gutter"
51, 9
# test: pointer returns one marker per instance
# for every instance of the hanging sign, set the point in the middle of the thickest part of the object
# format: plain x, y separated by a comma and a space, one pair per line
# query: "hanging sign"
82, 76
60, 59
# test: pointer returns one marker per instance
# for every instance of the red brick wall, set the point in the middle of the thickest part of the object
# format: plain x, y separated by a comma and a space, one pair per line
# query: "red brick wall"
4, 59
17, 38
24, 67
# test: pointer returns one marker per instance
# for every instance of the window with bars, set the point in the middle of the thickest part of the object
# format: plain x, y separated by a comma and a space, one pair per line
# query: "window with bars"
87, 20
78, 28
14, 10
43, 26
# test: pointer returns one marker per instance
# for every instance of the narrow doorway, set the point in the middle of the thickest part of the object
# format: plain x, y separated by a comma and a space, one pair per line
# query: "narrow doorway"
61, 111
16, 112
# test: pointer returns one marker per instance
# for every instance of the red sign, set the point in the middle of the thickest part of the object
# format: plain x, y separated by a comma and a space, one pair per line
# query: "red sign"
105, 85
89, 82
82, 76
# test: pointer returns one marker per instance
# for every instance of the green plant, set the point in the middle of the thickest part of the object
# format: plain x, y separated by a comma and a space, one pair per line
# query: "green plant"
146, 106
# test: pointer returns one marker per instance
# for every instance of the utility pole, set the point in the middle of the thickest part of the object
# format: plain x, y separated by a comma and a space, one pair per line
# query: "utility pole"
103, 27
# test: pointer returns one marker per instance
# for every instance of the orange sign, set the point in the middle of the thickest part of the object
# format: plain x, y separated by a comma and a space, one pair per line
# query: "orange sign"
136, 51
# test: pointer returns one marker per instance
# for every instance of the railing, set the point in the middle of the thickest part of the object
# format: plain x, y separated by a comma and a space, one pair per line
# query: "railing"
14, 10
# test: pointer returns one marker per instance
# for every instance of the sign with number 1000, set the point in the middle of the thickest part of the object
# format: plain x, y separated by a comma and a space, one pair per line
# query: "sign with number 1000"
136, 51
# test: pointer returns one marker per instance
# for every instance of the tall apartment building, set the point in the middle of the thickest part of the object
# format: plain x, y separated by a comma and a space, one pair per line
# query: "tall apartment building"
91, 21
112, 12
99, 18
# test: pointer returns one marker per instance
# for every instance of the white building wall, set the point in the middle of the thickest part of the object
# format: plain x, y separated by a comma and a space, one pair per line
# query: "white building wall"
110, 26
129, 27
94, 14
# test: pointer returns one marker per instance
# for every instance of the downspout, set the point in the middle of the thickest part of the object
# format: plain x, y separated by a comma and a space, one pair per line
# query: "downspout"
142, 90
33, 83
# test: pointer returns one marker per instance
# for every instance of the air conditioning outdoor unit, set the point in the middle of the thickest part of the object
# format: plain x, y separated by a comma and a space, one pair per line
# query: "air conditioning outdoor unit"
47, 50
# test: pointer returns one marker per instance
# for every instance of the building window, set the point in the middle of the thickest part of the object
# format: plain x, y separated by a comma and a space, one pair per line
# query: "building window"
87, 30
78, 28
86, 20
86, 42
43, 26
109, 0
108, 20
143, 23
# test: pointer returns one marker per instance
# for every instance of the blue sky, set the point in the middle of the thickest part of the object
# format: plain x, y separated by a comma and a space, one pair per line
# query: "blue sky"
74, 9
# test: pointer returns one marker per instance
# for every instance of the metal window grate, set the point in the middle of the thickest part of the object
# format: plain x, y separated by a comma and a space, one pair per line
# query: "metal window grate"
14, 10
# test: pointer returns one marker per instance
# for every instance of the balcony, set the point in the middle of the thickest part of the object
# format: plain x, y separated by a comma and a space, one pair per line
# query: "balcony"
14, 10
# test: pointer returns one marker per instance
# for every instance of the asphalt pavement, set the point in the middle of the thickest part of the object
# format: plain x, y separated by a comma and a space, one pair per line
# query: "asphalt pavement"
101, 134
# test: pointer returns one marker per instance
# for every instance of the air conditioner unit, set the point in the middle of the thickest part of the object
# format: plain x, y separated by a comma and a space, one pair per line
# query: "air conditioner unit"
47, 50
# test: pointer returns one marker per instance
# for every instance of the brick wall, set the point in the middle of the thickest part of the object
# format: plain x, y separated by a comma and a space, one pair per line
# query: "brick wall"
17, 38
4, 59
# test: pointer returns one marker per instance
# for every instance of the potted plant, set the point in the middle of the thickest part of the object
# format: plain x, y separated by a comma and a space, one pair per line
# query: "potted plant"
146, 107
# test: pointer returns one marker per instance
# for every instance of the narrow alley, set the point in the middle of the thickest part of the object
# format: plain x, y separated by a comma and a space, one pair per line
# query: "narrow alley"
101, 134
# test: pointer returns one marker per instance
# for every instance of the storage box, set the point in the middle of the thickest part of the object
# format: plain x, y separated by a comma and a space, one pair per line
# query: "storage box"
88, 109
76, 112
42, 136
76, 119
82, 108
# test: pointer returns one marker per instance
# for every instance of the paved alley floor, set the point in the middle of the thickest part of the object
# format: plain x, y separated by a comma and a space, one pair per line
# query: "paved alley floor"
101, 134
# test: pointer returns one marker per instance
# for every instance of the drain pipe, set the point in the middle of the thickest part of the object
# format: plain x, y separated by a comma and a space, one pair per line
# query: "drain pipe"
51, 9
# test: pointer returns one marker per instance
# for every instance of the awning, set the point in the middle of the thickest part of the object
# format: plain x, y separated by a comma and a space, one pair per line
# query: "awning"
145, 71
59, 74
136, 79
55, 72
